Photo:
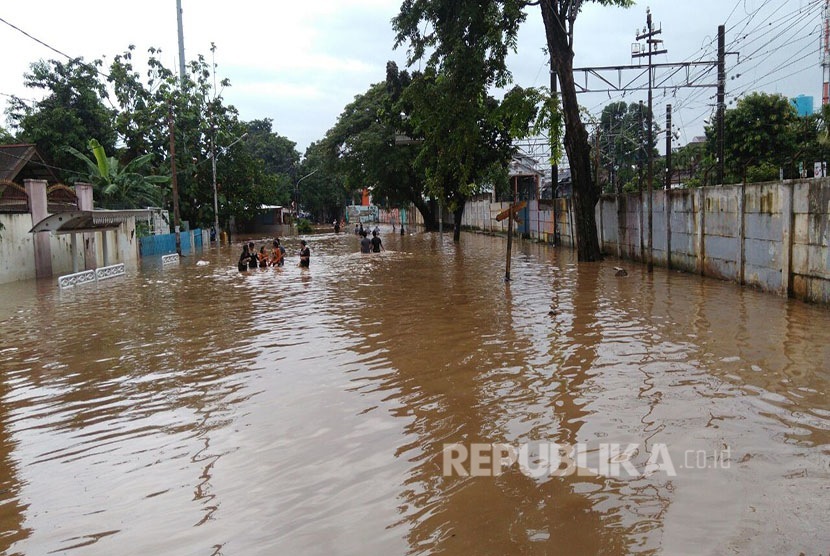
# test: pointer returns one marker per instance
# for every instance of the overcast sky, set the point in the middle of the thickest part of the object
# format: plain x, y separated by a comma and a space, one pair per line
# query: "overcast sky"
300, 63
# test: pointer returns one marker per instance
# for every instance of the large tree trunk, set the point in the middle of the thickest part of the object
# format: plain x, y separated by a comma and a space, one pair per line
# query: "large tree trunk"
458, 214
585, 191
428, 213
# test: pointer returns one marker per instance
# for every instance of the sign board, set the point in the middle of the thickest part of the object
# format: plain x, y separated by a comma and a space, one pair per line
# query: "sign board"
511, 211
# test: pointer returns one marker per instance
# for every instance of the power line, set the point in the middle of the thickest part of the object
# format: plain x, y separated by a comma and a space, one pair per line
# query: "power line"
53, 49
41, 163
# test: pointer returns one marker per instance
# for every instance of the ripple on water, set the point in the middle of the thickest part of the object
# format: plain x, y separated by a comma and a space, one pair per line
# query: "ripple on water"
199, 409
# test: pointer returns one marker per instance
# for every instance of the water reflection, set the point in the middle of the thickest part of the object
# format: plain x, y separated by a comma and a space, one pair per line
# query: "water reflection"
196, 409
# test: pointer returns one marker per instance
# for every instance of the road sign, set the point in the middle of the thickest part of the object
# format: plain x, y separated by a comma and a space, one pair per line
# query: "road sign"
511, 211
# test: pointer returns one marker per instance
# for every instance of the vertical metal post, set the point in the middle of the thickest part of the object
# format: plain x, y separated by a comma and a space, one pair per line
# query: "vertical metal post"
215, 194
554, 168
173, 180
649, 33
668, 147
721, 100
181, 40
667, 195
650, 141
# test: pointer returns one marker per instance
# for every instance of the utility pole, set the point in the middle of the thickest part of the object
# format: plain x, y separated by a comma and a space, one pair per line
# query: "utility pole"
649, 33
181, 40
825, 54
640, 177
668, 147
721, 98
596, 156
554, 167
173, 179
215, 188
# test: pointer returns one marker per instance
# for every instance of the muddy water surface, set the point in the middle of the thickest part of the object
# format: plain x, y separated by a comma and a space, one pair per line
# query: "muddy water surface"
197, 410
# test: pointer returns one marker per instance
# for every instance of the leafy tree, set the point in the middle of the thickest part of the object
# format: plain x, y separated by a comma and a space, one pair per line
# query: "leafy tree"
466, 140
465, 131
469, 40
279, 156
810, 143
759, 132
72, 111
322, 190
559, 17
201, 119
623, 142
360, 148
277, 152
121, 186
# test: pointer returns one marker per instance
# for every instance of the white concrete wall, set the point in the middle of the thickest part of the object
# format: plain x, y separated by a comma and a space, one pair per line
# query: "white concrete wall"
773, 236
17, 249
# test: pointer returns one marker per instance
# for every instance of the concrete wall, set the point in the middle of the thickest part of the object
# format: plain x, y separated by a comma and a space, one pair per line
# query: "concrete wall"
810, 254
773, 236
481, 215
17, 248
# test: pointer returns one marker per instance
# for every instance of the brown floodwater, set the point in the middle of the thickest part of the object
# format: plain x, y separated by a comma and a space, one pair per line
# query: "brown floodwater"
197, 410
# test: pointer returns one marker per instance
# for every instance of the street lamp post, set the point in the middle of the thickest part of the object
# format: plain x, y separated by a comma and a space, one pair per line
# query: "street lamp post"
297, 190
215, 196
213, 156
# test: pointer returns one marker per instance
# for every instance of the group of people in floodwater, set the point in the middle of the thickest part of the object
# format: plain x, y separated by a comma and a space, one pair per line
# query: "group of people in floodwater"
373, 245
275, 256
251, 258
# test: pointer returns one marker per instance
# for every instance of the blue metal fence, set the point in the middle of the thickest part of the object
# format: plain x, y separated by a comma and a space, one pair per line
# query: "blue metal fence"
164, 244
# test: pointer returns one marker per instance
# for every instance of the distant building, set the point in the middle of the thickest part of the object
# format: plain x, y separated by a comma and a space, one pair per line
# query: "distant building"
803, 105
524, 177
272, 220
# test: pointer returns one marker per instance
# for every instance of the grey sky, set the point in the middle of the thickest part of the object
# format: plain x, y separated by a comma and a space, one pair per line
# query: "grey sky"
301, 63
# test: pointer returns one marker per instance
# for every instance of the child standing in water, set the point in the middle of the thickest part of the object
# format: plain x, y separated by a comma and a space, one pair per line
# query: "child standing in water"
305, 254
377, 244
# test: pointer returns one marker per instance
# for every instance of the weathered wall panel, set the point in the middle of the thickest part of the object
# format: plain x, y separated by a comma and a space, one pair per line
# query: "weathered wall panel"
783, 248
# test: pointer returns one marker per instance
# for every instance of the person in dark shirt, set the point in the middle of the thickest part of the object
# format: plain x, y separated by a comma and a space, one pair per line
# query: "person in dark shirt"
253, 262
377, 244
305, 254
365, 244
244, 259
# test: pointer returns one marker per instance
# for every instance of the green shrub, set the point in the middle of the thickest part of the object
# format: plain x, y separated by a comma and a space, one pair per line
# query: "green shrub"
304, 226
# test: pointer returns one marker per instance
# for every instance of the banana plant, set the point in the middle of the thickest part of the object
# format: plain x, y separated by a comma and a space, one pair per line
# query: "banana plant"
126, 186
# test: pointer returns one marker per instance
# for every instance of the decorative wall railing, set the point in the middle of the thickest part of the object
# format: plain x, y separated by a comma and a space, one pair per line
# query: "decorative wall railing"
76, 279
87, 276
112, 271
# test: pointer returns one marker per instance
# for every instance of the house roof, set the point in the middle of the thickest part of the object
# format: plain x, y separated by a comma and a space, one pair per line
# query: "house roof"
23, 161
88, 220
522, 165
